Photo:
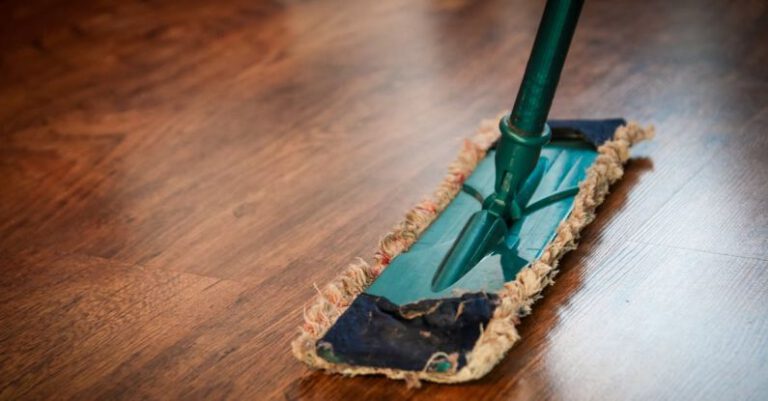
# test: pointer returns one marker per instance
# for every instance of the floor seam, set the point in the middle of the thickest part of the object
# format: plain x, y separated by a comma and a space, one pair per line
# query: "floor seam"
757, 258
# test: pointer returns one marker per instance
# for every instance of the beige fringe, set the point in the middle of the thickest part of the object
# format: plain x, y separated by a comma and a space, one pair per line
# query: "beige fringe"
516, 297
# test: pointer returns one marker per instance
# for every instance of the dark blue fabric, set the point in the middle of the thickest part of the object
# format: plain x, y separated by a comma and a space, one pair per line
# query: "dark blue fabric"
595, 132
375, 332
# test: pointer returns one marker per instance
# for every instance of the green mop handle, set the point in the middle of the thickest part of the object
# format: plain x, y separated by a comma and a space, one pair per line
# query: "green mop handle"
524, 131
544, 66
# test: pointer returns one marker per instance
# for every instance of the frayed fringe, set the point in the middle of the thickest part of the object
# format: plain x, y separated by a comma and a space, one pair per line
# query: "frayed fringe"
516, 297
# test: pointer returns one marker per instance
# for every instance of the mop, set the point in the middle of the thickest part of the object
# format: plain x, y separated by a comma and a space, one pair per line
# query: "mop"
446, 288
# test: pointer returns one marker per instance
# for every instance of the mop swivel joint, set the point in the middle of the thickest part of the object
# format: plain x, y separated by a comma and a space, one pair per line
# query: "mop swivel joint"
516, 157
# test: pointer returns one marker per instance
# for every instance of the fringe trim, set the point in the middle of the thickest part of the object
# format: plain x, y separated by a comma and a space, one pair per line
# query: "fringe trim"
516, 297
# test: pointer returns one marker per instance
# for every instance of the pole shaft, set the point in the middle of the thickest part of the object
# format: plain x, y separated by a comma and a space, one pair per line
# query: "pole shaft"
544, 66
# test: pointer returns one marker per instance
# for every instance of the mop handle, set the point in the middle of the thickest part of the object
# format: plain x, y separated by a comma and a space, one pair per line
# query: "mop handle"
544, 66
523, 134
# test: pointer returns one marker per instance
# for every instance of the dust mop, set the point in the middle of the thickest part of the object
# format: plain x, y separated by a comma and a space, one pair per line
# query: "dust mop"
447, 286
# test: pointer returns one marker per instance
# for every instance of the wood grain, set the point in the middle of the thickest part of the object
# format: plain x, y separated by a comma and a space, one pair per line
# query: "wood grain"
175, 177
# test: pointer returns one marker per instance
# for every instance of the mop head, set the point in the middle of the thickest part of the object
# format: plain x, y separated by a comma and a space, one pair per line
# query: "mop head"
497, 324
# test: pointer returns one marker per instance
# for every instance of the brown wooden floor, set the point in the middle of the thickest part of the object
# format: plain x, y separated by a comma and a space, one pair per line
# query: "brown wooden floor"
175, 176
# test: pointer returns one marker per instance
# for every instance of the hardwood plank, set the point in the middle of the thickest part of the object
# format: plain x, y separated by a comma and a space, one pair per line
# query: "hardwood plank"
101, 312
724, 208
175, 177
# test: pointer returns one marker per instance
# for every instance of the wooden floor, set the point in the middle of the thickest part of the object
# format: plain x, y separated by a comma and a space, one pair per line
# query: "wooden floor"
175, 176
